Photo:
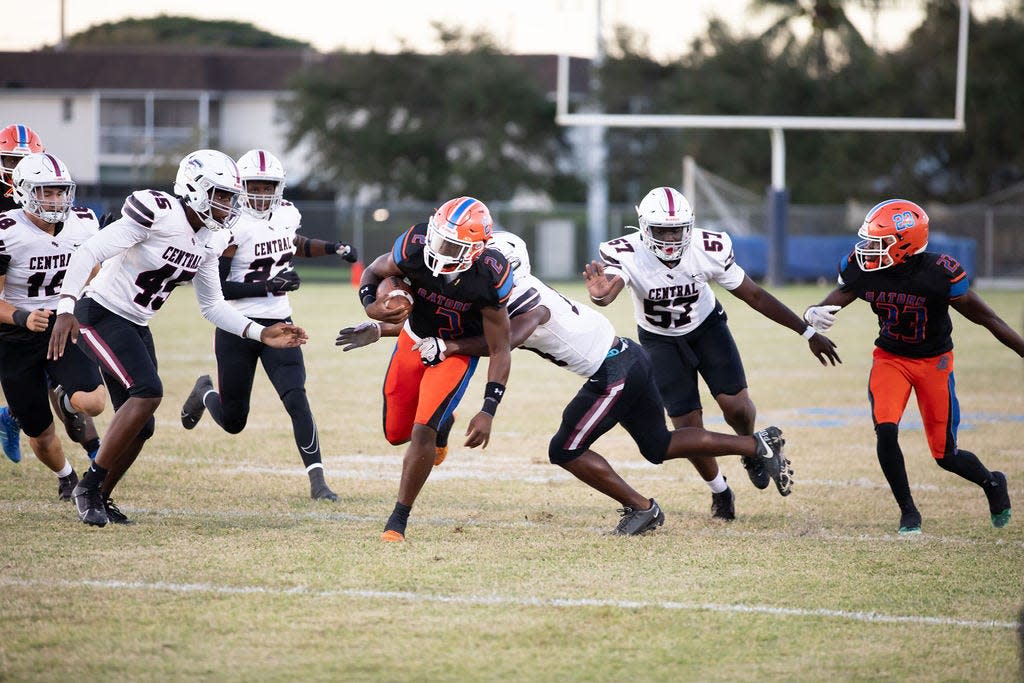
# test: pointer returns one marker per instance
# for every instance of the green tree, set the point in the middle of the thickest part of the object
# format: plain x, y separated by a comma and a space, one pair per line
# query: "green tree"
469, 120
834, 40
181, 32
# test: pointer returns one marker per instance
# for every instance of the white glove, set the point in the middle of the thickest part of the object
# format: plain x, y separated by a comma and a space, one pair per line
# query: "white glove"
821, 318
431, 350
361, 335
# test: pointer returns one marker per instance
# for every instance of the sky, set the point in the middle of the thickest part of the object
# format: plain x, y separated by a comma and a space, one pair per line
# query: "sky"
522, 26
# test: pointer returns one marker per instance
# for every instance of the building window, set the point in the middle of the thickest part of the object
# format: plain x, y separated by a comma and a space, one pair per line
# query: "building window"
123, 126
148, 126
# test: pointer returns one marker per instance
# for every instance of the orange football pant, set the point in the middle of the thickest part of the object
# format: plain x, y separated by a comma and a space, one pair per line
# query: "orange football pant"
417, 394
892, 378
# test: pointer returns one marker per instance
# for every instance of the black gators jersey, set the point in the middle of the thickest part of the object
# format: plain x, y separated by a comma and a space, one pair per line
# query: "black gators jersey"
911, 301
451, 310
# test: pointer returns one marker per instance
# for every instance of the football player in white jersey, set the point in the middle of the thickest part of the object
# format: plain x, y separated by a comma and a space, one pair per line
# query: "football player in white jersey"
256, 275
620, 389
36, 244
668, 266
160, 242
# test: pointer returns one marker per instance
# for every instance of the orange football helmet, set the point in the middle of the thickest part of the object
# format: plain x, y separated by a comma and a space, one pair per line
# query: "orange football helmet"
16, 141
893, 231
456, 235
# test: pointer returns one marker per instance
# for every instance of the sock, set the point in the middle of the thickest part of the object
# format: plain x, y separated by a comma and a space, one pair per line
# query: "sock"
91, 447
890, 457
717, 485
211, 399
66, 470
965, 464
94, 476
399, 518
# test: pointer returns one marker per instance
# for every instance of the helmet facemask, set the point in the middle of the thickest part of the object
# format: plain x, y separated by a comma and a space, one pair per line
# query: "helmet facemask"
260, 204
666, 250
43, 187
446, 253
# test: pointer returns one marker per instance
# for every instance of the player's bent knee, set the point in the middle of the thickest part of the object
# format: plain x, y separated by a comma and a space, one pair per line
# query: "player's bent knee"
295, 402
561, 456
92, 403
888, 433
148, 429
153, 389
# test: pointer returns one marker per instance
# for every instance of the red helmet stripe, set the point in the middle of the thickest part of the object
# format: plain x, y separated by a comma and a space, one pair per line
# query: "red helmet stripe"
263, 162
56, 164
671, 202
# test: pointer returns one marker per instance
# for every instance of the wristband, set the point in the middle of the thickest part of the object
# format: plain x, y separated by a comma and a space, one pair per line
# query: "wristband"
66, 305
253, 331
367, 295
332, 247
809, 332
492, 397
20, 317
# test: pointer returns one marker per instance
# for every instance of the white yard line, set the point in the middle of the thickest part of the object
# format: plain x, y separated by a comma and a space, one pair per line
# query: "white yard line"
515, 601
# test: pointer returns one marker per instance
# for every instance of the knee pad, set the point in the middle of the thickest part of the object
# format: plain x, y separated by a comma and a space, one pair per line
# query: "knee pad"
560, 456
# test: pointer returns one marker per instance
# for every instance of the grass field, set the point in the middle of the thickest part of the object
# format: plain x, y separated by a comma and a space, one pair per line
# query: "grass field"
232, 573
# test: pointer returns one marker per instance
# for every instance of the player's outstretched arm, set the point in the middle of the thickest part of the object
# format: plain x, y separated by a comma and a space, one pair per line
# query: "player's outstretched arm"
755, 296
311, 248
283, 335
496, 331
823, 316
601, 287
364, 334
974, 308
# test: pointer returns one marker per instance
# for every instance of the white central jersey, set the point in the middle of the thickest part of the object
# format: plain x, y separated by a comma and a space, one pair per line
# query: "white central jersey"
667, 300
37, 260
574, 337
265, 248
160, 252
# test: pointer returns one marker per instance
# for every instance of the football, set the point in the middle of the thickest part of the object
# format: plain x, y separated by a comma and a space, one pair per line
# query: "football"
395, 292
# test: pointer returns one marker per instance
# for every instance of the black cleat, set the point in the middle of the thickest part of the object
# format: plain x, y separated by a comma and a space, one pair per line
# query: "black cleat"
998, 494
769, 448
636, 522
90, 506
759, 476
323, 492
910, 523
74, 423
723, 505
114, 514
193, 409
65, 485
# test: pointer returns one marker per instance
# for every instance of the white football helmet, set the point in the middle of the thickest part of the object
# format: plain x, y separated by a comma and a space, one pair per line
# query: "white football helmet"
513, 248
200, 175
32, 176
665, 208
259, 164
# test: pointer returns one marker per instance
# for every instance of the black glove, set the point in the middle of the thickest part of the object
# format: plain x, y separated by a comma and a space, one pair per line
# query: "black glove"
285, 281
346, 252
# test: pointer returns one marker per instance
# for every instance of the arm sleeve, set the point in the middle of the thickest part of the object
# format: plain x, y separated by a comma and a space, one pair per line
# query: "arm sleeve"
211, 301
115, 239
238, 290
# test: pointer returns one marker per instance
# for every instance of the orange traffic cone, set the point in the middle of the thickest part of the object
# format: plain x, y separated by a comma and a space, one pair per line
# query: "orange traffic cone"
357, 273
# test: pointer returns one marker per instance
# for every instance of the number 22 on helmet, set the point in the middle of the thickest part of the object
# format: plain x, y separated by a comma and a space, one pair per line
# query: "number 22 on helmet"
893, 231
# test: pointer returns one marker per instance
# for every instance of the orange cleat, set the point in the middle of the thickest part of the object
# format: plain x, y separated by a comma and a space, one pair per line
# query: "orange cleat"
392, 536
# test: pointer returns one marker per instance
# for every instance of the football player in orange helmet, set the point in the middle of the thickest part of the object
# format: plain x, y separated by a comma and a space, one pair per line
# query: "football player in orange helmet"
16, 142
911, 291
460, 289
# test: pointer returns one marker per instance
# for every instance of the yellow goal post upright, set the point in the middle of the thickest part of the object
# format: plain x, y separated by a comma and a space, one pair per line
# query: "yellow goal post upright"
776, 126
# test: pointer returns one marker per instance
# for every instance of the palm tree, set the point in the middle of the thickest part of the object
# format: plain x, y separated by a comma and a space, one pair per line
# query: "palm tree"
834, 40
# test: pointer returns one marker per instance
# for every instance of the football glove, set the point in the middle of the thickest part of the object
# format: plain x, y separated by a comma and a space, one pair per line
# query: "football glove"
285, 281
431, 350
347, 252
362, 334
821, 318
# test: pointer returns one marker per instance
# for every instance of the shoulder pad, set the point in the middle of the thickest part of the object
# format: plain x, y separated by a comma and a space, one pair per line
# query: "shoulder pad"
145, 207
